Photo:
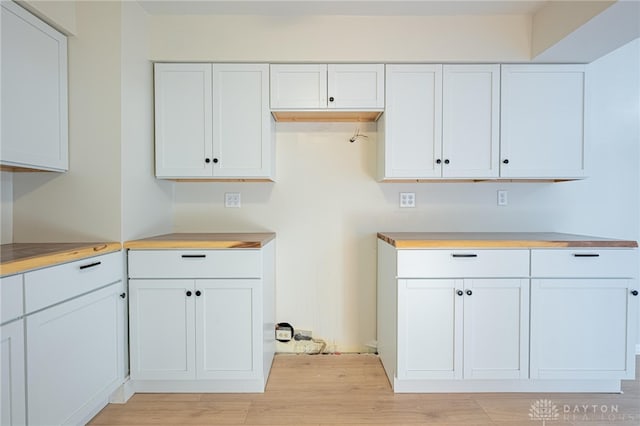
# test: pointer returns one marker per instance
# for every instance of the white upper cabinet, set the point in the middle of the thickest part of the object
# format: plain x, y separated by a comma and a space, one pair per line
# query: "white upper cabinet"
470, 121
333, 86
213, 122
183, 120
355, 86
440, 122
410, 127
299, 86
34, 92
542, 122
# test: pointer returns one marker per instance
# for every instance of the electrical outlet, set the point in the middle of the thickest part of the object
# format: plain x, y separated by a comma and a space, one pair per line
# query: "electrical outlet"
502, 197
284, 334
232, 199
407, 199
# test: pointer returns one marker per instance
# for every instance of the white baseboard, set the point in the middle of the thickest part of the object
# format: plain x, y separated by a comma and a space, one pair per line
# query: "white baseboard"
122, 394
638, 349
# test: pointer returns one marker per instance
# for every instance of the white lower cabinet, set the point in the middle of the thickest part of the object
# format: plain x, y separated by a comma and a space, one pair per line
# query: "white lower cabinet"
507, 320
202, 334
208, 329
12, 393
455, 329
62, 341
73, 355
584, 310
580, 328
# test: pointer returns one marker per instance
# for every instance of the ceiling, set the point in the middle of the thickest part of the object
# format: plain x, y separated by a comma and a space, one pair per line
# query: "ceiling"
341, 7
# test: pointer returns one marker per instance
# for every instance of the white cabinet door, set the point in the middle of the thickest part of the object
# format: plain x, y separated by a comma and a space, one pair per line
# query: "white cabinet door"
228, 329
298, 86
580, 328
496, 329
542, 121
12, 393
34, 92
359, 86
320, 86
183, 124
162, 329
430, 325
72, 357
470, 121
412, 121
242, 121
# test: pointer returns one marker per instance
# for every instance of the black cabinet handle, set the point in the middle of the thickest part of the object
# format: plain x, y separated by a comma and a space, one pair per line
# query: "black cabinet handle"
505, 161
90, 265
188, 293
586, 255
215, 160
207, 160
446, 161
194, 256
460, 292
464, 255
123, 295
469, 292
198, 293
438, 161
331, 99
634, 292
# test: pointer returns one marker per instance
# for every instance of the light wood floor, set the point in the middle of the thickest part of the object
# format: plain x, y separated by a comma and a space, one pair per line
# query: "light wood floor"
353, 389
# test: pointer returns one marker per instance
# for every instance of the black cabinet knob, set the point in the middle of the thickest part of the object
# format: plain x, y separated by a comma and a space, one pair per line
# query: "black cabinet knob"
505, 161
123, 295
188, 293
207, 160
331, 99
215, 160
634, 292
198, 293
460, 292
438, 161
469, 292
446, 161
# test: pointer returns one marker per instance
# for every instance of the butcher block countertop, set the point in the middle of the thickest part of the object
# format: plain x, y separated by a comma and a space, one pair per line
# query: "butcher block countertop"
453, 240
22, 257
202, 241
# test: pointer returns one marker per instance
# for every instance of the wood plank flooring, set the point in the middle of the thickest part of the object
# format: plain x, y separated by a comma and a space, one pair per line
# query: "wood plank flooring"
353, 389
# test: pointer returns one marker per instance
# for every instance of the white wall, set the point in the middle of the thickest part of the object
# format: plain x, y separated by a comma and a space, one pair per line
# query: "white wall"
341, 38
84, 203
6, 207
146, 201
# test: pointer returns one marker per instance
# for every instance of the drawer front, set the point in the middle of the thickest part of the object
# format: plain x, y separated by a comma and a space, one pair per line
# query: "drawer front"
236, 263
591, 263
462, 263
55, 284
11, 298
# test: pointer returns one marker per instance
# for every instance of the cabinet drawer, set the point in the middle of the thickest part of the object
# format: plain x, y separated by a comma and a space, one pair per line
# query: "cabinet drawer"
462, 263
591, 263
237, 263
55, 284
11, 298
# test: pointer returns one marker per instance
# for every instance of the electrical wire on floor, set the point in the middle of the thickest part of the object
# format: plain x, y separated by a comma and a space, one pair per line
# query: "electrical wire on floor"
323, 345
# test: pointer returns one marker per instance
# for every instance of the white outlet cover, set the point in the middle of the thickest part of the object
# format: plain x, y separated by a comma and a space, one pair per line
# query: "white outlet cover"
232, 199
407, 199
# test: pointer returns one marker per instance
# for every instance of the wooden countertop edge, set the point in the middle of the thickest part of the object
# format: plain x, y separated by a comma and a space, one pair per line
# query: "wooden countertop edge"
194, 244
414, 244
50, 259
